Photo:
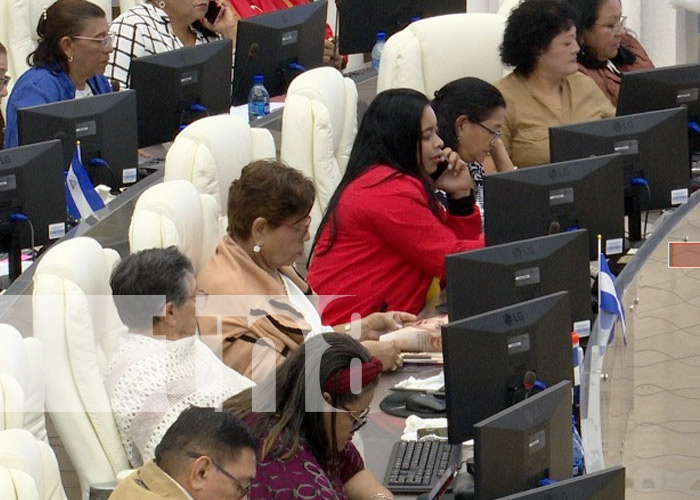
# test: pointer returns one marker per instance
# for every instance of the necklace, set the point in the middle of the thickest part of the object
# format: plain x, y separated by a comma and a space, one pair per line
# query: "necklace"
284, 283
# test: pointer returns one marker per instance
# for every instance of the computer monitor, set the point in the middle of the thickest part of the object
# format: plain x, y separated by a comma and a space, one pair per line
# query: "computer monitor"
104, 124
654, 149
489, 357
502, 275
360, 20
607, 484
661, 88
175, 88
32, 190
279, 46
517, 448
558, 197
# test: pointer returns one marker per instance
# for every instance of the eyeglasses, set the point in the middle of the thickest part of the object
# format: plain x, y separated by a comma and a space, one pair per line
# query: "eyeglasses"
300, 230
4, 81
239, 484
360, 420
495, 133
617, 27
107, 41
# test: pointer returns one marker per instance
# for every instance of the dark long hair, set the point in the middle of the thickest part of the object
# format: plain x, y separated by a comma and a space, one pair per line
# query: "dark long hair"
390, 134
586, 17
62, 18
468, 96
289, 421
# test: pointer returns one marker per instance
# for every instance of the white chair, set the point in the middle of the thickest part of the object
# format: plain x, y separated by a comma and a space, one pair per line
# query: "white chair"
211, 152
77, 321
174, 213
18, 20
431, 52
11, 403
319, 124
28, 468
23, 361
506, 7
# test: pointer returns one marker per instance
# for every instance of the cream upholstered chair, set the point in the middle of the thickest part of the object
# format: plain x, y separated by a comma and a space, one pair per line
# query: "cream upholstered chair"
18, 20
319, 124
11, 403
174, 213
76, 320
28, 468
22, 361
211, 152
507, 6
431, 52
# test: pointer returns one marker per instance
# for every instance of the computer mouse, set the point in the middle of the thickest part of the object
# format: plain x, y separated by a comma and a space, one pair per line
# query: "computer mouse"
425, 403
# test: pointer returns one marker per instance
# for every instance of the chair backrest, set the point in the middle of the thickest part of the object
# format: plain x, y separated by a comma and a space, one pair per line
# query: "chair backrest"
11, 403
174, 213
319, 124
431, 52
507, 6
23, 360
28, 468
77, 321
18, 20
211, 152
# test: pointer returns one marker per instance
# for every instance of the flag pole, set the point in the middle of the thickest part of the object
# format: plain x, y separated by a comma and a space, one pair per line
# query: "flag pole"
80, 157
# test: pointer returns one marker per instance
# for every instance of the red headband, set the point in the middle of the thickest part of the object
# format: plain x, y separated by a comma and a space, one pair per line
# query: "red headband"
340, 381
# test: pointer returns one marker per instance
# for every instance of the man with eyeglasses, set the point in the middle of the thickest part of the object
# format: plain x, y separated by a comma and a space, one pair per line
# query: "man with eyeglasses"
205, 455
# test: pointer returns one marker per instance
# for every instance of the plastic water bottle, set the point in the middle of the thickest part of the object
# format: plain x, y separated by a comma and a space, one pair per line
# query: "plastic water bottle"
258, 99
377, 49
578, 362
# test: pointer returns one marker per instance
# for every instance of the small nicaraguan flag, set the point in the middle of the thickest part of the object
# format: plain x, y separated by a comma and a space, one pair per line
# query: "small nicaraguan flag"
610, 307
81, 197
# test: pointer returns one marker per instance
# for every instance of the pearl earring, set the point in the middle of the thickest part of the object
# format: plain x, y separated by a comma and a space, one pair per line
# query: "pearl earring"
257, 247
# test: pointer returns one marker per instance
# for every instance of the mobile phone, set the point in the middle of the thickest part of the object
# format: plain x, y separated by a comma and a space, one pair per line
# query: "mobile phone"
213, 11
442, 166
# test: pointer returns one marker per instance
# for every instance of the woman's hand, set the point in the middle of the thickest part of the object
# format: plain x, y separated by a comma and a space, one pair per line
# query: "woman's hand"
500, 157
331, 56
456, 181
375, 324
226, 24
387, 352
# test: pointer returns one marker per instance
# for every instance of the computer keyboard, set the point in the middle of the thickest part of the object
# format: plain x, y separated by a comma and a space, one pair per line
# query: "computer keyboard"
415, 466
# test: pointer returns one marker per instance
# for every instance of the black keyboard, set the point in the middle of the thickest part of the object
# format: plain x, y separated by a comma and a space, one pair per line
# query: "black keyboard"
415, 466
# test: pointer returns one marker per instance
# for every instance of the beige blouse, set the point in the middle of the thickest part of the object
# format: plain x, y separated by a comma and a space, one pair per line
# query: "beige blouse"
528, 117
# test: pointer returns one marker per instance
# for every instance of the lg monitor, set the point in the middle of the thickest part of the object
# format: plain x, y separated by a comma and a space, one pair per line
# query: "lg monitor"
519, 447
175, 88
661, 88
482, 280
32, 199
608, 484
491, 358
360, 20
556, 198
104, 124
654, 150
279, 46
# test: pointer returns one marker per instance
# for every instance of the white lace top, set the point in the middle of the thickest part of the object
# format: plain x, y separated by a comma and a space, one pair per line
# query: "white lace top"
150, 381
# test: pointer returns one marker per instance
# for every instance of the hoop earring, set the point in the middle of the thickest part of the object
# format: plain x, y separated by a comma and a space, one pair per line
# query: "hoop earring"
161, 4
70, 59
257, 247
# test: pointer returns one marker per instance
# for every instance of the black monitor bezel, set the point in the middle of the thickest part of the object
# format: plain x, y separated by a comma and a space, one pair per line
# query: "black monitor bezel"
607, 484
266, 44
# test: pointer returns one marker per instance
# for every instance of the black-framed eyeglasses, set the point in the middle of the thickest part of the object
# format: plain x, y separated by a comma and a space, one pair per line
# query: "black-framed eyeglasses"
300, 230
616, 27
107, 41
495, 134
4, 81
359, 420
239, 484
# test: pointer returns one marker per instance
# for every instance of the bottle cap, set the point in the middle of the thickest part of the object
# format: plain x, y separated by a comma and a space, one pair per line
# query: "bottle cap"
258, 79
381, 36
574, 338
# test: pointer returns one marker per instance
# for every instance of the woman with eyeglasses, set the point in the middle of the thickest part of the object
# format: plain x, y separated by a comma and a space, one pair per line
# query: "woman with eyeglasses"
607, 48
545, 88
471, 114
304, 417
404, 202
267, 310
68, 63
4, 80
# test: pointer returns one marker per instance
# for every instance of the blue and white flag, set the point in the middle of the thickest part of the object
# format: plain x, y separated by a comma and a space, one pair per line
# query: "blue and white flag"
81, 197
610, 307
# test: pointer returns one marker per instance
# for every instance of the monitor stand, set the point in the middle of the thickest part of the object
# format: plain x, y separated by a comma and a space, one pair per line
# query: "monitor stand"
10, 239
633, 209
